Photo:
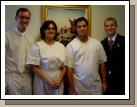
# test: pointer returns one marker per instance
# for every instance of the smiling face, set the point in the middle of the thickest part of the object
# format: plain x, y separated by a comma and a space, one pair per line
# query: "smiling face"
23, 20
110, 27
50, 32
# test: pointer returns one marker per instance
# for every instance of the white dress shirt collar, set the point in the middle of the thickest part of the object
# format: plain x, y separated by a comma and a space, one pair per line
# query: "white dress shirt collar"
16, 29
113, 38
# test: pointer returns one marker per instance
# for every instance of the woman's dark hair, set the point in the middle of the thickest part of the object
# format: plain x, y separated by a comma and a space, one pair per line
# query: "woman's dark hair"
22, 10
79, 20
46, 25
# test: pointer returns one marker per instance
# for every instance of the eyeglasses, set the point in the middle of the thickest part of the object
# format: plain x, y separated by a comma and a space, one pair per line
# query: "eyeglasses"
48, 28
22, 17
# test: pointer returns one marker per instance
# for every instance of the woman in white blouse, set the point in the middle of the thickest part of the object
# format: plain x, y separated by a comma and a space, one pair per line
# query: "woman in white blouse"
47, 58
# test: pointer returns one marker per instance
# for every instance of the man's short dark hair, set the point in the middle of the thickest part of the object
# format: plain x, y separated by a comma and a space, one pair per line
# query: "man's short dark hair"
22, 10
80, 19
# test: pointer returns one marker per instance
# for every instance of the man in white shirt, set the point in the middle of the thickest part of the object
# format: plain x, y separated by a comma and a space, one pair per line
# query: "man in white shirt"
85, 56
18, 78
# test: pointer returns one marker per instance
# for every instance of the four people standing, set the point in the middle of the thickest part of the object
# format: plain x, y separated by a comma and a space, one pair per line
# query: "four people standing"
83, 56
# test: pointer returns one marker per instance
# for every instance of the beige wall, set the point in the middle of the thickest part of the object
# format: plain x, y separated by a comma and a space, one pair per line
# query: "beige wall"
98, 14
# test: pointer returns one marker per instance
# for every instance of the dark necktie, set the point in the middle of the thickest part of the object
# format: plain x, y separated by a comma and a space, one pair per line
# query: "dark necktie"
110, 44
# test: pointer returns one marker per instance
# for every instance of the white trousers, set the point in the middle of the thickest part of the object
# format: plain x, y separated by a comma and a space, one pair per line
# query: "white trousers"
19, 83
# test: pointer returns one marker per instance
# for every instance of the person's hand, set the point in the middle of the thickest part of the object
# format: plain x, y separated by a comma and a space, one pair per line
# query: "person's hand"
104, 87
52, 84
6, 90
58, 84
73, 92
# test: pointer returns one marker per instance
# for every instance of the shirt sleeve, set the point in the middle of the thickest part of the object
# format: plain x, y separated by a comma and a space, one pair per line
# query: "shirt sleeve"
69, 56
33, 56
102, 54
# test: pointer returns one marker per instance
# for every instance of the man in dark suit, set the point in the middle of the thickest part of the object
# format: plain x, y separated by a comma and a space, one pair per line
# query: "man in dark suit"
115, 64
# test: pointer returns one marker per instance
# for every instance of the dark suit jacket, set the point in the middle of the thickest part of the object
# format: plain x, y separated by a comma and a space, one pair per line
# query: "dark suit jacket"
116, 57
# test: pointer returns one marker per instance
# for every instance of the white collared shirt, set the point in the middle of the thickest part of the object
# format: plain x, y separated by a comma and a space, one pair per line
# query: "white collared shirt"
113, 38
16, 29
